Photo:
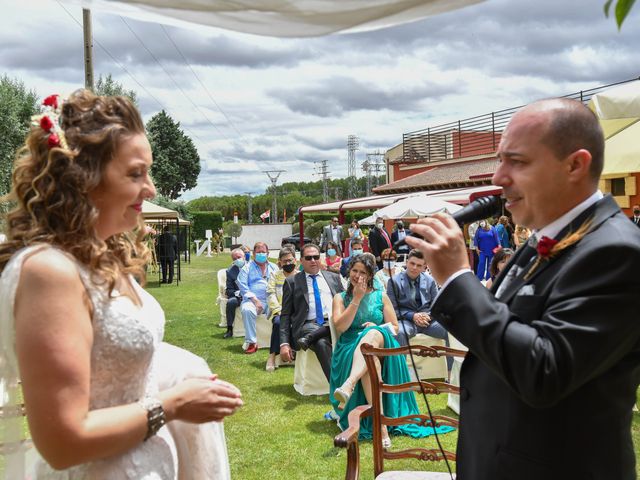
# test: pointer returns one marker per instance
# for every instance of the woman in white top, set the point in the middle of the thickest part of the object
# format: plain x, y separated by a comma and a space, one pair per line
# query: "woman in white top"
389, 268
102, 383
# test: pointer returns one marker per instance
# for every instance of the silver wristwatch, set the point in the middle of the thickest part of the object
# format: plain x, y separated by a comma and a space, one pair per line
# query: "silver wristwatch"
156, 417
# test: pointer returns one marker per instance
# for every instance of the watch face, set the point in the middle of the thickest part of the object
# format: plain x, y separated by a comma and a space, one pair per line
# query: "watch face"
150, 403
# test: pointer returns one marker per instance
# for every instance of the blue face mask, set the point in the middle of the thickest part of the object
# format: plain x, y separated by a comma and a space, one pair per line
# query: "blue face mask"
355, 252
261, 257
331, 252
247, 256
239, 262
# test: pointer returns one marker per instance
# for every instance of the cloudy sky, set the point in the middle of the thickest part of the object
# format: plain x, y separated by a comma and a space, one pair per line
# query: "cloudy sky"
255, 103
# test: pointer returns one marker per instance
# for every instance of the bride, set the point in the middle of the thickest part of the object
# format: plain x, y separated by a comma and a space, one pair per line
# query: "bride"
76, 328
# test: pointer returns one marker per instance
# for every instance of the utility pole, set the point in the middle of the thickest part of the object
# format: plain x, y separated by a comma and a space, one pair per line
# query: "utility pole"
88, 48
273, 176
249, 207
323, 173
352, 145
373, 165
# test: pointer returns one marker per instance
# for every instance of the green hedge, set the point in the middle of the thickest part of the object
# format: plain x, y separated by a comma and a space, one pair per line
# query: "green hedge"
202, 221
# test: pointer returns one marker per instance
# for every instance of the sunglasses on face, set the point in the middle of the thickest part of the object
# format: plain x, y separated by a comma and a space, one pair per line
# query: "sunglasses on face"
308, 258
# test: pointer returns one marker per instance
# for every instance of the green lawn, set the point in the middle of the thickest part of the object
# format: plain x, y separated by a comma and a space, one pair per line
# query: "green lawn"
278, 433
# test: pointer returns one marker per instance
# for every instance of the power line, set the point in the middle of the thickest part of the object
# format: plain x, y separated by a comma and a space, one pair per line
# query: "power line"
172, 79
200, 81
104, 49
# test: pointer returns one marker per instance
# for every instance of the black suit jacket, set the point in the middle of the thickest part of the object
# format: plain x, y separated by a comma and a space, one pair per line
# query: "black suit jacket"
167, 246
404, 248
551, 376
377, 243
232, 286
295, 304
634, 222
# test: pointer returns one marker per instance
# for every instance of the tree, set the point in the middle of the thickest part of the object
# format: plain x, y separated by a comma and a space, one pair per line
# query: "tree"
110, 87
233, 230
17, 105
623, 7
176, 163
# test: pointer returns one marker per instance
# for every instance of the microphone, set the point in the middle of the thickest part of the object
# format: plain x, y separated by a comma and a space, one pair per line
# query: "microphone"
480, 208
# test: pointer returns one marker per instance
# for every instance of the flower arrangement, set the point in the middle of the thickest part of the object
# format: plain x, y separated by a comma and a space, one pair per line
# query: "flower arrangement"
49, 121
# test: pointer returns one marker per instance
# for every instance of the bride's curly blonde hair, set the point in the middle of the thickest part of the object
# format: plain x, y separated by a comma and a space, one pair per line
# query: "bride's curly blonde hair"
51, 188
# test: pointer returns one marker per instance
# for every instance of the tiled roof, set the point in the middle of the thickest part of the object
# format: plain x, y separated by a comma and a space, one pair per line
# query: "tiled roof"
468, 173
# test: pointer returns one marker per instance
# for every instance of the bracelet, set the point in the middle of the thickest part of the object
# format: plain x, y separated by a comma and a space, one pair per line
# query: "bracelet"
156, 416
354, 303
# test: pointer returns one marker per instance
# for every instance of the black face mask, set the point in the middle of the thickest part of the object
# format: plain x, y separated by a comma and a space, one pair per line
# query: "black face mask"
636, 212
289, 267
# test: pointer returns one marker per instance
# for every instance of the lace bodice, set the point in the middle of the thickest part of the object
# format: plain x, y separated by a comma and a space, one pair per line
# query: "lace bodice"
125, 337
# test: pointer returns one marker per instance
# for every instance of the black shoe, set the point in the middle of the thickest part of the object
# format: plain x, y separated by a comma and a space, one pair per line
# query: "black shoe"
303, 342
228, 334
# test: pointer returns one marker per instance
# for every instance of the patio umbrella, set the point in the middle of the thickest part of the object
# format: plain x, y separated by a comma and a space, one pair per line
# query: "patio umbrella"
414, 206
618, 102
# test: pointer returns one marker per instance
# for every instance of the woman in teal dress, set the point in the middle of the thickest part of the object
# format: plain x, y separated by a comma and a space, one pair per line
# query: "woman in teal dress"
359, 316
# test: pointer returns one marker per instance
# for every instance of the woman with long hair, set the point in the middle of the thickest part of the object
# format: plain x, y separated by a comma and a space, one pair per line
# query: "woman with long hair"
102, 384
364, 314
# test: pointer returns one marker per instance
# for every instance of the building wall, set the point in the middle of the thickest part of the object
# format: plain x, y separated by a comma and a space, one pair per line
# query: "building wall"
469, 144
271, 234
631, 195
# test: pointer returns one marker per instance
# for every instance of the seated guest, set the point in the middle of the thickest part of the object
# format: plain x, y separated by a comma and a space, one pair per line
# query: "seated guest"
306, 307
500, 259
232, 290
287, 264
416, 291
332, 261
356, 249
389, 268
359, 315
253, 288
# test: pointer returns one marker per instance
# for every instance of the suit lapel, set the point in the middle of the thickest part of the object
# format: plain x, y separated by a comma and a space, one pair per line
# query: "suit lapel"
301, 278
598, 212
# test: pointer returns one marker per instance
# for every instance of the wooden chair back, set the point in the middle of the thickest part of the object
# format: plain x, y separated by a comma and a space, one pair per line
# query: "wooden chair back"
429, 388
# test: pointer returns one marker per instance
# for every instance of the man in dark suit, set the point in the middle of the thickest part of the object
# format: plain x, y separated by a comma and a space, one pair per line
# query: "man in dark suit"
232, 289
399, 234
307, 300
167, 253
635, 218
553, 367
379, 240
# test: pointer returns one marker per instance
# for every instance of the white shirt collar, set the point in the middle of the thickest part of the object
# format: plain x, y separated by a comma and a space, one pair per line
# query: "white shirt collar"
558, 224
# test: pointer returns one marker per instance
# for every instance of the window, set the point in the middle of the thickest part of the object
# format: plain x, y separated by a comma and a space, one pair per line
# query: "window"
617, 187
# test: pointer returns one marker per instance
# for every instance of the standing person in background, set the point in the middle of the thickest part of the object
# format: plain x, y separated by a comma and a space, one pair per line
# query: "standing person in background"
332, 233
232, 289
635, 218
379, 239
287, 267
253, 287
354, 234
486, 241
471, 230
167, 253
399, 234
521, 235
502, 229
332, 261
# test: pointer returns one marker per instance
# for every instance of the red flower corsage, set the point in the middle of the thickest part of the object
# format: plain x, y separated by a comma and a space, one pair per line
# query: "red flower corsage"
51, 101
545, 246
53, 140
46, 124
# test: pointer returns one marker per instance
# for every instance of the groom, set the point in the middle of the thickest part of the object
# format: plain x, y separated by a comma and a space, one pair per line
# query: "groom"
553, 367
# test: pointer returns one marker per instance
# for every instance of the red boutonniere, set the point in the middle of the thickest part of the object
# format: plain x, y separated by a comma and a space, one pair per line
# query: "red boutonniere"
545, 247
51, 101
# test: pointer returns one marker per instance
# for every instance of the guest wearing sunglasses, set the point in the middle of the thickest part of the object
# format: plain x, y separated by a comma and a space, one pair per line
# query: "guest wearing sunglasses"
307, 300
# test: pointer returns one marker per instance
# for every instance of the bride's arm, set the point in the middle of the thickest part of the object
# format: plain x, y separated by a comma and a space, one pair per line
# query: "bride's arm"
53, 343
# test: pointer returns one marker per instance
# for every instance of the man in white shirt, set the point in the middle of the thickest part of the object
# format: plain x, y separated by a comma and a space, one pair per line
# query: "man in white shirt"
332, 233
552, 370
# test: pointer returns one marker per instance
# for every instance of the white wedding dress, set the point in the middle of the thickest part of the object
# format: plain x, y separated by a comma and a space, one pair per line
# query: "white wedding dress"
128, 362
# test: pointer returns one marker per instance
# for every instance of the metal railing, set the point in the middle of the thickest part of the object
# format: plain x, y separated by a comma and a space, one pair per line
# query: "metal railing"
470, 137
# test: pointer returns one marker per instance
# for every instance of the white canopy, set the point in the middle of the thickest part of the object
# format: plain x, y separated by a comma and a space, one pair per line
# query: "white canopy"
618, 102
414, 206
279, 18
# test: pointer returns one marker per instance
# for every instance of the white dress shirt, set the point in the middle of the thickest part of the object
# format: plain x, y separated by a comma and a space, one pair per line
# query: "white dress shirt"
325, 295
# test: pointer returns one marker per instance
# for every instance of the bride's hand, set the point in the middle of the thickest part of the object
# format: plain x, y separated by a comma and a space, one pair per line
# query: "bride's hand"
200, 400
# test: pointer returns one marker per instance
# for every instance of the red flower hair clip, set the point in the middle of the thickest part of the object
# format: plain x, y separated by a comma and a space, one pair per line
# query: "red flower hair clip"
49, 121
